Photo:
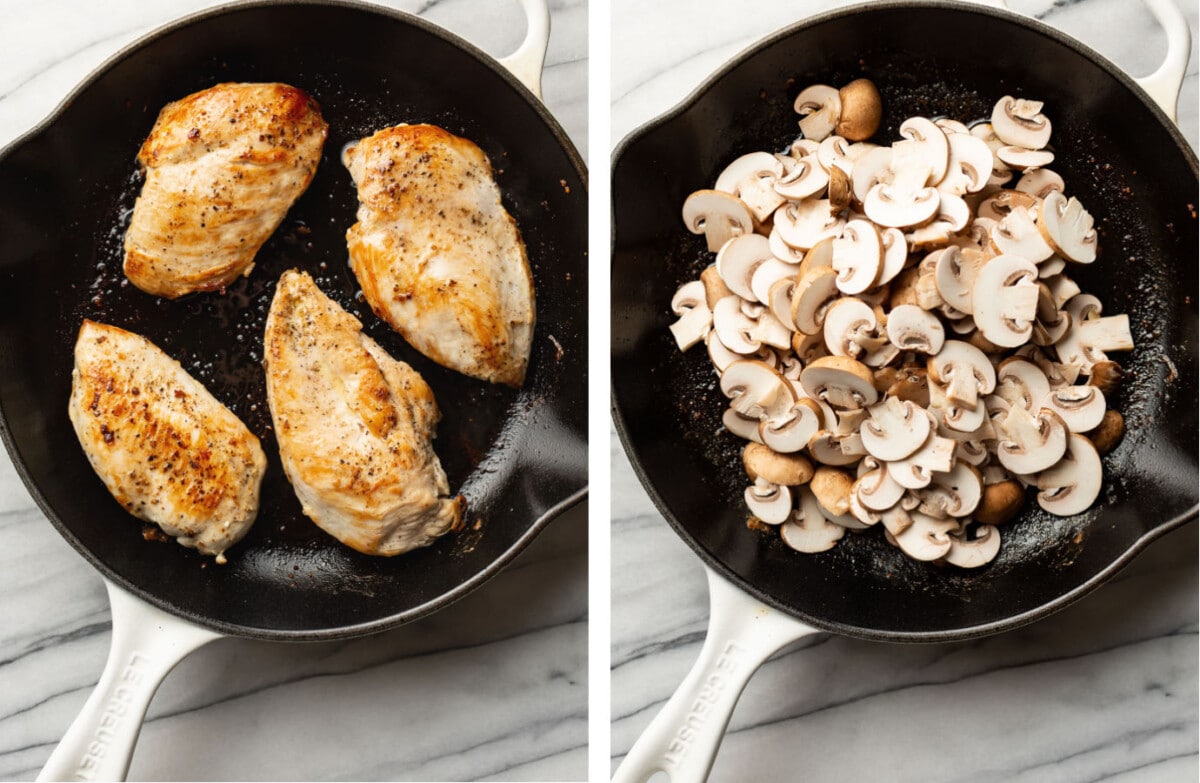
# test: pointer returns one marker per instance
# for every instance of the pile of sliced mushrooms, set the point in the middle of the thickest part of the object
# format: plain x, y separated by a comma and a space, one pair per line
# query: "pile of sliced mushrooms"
896, 329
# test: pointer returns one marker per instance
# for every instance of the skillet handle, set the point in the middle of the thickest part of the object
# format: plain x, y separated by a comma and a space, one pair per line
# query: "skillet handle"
1165, 84
146, 644
683, 738
527, 61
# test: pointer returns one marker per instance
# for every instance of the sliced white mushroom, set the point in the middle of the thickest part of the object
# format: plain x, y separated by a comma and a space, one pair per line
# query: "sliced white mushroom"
916, 470
756, 391
718, 354
1072, 485
912, 329
1068, 228
869, 170
927, 538
1018, 234
1005, 297
906, 200
815, 291
719, 216
806, 223
1028, 442
768, 330
1090, 336
834, 152
857, 257
807, 530
792, 431
820, 108
695, 319
875, 488
806, 178
1003, 203
779, 301
969, 166
1040, 183
955, 493
752, 179
743, 427
732, 326
955, 276
766, 275
976, 549
1024, 160
769, 502
964, 370
841, 381
1020, 122
852, 329
895, 255
738, 258
927, 142
1021, 382
1051, 266
1080, 407
830, 448
957, 420
895, 429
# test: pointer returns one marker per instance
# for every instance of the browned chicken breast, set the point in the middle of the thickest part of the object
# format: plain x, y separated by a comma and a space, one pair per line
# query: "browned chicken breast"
222, 167
167, 450
354, 427
437, 255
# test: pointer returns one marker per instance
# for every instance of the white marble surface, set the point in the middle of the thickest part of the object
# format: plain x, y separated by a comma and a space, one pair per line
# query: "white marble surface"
1105, 690
471, 693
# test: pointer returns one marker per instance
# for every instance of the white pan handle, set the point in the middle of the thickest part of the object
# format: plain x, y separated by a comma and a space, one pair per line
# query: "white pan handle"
1165, 84
683, 738
527, 61
146, 644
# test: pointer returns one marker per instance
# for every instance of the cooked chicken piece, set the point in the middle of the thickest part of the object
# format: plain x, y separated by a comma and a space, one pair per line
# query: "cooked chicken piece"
437, 255
167, 450
354, 427
222, 167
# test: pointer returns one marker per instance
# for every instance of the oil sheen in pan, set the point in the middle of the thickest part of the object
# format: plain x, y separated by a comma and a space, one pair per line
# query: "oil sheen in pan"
698, 404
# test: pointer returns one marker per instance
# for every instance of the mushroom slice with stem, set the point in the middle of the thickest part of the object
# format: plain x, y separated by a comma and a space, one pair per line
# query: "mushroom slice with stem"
957, 421
807, 529
927, 538
912, 329
1003, 203
973, 549
815, 291
1028, 442
895, 255
965, 372
1017, 234
695, 319
906, 200
766, 275
806, 178
1019, 122
870, 170
788, 470
840, 381
875, 488
820, 109
1072, 485
1021, 382
1040, 183
779, 301
916, 470
752, 178
894, 430
782, 250
969, 166
756, 391
857, 257
743, 427
1089, 335
737, 260
851, 328
955, 276
955, 493
802, 225
714, 287
1005, 298
718, 354
793, 430
834, 152
1080, 407
733, 327
769, 502
861, 112
926, 141
1068, 228
719, 216
1024, 160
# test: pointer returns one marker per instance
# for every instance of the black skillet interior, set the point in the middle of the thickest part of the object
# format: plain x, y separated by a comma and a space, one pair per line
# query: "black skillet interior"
65, 196
1125, 162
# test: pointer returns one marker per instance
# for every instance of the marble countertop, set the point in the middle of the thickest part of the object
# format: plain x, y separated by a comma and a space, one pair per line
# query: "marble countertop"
470, 693
1104, 690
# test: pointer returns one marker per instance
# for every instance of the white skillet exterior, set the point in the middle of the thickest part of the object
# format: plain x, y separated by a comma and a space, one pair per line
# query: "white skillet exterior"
782, 737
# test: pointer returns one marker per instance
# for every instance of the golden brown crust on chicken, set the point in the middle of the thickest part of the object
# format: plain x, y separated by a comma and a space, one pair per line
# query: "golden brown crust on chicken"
222, 166
437, 255
354, 427
166, 449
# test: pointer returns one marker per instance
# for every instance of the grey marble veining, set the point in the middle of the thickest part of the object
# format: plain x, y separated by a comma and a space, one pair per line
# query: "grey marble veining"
494, 687
1104, 690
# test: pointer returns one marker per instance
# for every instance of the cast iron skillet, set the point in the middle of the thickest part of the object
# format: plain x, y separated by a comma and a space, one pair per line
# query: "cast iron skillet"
519, 456
1118, 153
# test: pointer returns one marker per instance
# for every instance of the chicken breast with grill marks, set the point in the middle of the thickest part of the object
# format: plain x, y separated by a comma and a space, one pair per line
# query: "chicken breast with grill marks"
437, 255
167, 450
222, 167
354, 426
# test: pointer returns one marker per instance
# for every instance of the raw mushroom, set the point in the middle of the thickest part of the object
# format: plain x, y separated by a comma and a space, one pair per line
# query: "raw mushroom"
841, 381
912, 329
752, 179
802, 225
1005, 298
820, 108
805, 179
857, 257
732, 326
1030, 443
926, 142
756, 391
1021, 382
1040, 183
875, 488
1106, 436
719, 216
852, 329
695, 319
955, 276
1068, 228
927, 538
807, 529
794, 429
861, 112
895, 429
832, 489
905, 200
1089, 336
955, 493
788, 470
738, 258
1020, 122
1017, 234
815, 291
974, 551
1023, 159
1000, 502
964, 370
769, 502
1072, 485
870, 170
1080, 407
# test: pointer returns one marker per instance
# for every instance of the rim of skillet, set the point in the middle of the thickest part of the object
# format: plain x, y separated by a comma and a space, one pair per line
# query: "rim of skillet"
623, 429
338, 632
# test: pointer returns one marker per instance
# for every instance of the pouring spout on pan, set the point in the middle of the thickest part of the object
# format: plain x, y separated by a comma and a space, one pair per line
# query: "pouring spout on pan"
683, 739
146, 644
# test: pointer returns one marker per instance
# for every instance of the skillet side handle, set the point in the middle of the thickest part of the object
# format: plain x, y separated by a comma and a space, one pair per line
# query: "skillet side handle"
683, 739
1165, 84
146, 644
527, 61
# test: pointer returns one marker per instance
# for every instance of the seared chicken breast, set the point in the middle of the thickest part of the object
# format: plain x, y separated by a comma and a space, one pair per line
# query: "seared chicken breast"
354, 427
222, 168
436, 254
167, 450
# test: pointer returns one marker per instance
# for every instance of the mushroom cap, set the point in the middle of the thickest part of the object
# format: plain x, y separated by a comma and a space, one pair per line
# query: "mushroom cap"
831, 487
1108, 434
771, 503
912, 329
814, 292
804, 224
964, 370
719, 216
857, 256
1005, 297
839, 189
788, 470
756, 390
733, 327
862, 110
974, 551
1020, 122
1080, 407
895, 429
738, 258
841, 381
1000, 502
1072, 485
1068, 228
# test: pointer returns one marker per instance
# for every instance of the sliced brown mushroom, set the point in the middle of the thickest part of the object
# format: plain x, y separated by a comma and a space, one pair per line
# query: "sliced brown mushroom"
1005, 297
906, 200
916, 470
820, 108
1021, 382
719, 216
1020, 122
857, 257
955, 276
862, 110
954, 493
852, 329
733, 327
695, 319
1030, 442
895, 429
1068, 228
841, 381
738, 258
1000, 502
1108, 434
912, 329
1018, 234
743, 427
975, 549
832, 489
1072, 485
1080, 407
1024, 160
870, 170
769, 502
807, 529
965, 372
926, 142
766, 275
1040, 183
